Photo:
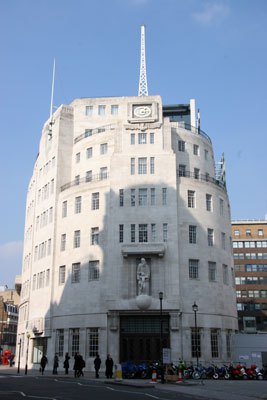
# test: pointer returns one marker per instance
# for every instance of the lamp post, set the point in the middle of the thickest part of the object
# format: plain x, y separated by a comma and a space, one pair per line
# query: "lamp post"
26, 366
161, 355
19, 356
195, 309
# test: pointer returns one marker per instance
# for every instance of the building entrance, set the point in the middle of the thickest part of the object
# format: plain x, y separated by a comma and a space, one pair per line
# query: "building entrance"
140, 337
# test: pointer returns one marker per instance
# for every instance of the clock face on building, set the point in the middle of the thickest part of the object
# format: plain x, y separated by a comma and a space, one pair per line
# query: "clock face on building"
142, 111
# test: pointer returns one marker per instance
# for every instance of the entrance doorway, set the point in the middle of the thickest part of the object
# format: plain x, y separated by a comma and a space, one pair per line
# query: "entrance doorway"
140, 337
39, 349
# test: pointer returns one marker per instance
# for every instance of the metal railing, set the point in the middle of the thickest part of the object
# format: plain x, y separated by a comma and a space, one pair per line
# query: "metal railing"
90, 132
94, 178
201, 177
194, 130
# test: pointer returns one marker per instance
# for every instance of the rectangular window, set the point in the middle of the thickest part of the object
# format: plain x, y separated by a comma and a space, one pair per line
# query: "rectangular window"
152, 138
51, 214
152, 165
103, 173
196, 149
89, 111
78, 205
248, 232
143, 233
132, 138
206, 154
182, 170
142, 165
196, 173
103, 148
132, 233
142, 197
225, 275
95, 201
132, 197
64, 209
75, 273
94, 270
77, 179
132, 166
93, 340
60, 342
164, 196
214, 343
181, 145
88, 132
75, 341
192, 234
89, 152
153, 232
165, 232
114, 109
121, 233
223, 240
77, 239
236, 232
63, 242
210, 237
62, 275
101, 110
195, 342
142, 138
78, 157
94, 235
152, 196
121, 196
193, 269
208, 202
221, 207
191, 198
212, 271
260, 232
49, 247
88, 176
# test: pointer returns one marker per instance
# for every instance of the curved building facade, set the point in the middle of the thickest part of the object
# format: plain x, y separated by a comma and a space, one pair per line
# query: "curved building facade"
124, 203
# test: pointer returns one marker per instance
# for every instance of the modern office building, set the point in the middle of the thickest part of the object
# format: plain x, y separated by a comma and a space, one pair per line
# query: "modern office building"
125, 203
250, 260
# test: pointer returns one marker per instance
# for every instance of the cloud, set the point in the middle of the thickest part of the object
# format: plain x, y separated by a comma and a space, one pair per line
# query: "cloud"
213, 12
10, 262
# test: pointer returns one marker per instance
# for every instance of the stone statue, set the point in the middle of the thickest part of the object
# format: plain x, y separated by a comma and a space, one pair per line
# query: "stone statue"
143, 277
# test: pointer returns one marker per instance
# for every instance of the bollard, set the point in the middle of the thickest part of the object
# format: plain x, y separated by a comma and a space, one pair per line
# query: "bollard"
118, 373
154, 376
180, 379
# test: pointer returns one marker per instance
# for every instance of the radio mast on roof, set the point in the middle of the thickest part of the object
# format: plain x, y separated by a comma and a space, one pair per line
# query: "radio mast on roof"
142, 80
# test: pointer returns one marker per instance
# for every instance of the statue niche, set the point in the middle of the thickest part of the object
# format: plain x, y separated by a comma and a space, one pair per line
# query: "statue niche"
143, 278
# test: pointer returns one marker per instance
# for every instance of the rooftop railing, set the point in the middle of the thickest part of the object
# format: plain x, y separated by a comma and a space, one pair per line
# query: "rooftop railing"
201, 177
91, 132
194, 130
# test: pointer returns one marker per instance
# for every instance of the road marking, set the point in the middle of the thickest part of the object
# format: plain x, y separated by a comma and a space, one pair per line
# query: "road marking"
150, 395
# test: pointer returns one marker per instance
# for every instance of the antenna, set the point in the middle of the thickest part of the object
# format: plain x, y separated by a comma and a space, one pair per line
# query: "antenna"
51, 123
142, 79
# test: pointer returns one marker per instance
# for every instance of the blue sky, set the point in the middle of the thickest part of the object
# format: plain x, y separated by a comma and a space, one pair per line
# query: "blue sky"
211, 50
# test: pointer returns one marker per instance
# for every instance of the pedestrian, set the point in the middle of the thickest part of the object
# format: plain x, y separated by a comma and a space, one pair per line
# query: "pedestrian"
109, 367
55, 364
43, 363
66, 363
97, 363
11, 359
77, 364
81, 365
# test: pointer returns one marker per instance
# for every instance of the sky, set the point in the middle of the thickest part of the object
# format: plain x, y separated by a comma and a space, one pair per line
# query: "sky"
212, 50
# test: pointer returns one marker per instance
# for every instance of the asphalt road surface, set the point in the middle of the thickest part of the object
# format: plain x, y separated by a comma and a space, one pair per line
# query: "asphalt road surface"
49, 388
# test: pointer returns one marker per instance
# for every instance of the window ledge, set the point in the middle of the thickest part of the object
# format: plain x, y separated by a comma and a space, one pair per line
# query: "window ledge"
143, 249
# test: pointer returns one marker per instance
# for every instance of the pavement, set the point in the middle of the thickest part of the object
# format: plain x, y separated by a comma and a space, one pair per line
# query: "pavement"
211, 389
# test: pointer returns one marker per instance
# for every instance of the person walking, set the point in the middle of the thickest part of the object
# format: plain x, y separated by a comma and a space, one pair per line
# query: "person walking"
66, 363
109, 367
76, 364
43, 363
81, 365
55, 364
97, 363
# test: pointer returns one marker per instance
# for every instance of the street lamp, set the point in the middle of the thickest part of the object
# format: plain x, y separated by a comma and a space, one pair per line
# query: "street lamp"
195, 309
161, 356
19, 356
26, 366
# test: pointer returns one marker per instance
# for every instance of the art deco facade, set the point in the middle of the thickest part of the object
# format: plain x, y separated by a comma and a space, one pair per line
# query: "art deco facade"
250, 260
116, 181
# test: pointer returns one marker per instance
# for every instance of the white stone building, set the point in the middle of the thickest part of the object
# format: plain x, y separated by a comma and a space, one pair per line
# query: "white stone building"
120, 179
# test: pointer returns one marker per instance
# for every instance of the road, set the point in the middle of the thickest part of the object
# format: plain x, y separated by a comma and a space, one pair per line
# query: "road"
60, 388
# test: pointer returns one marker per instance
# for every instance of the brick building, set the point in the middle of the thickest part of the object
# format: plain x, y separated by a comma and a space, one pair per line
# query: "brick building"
250, 260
